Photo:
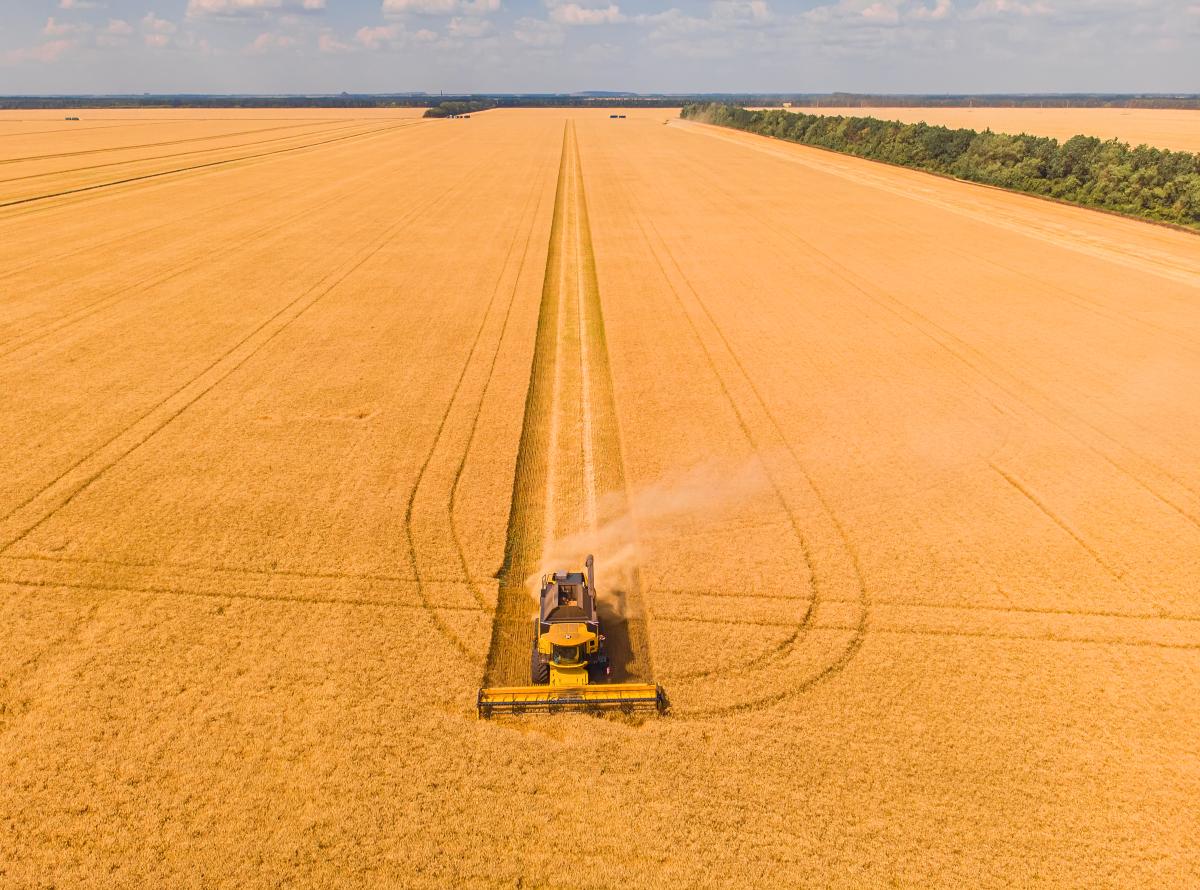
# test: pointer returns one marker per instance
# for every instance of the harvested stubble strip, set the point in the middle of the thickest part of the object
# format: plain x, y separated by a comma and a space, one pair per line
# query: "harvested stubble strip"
571, 293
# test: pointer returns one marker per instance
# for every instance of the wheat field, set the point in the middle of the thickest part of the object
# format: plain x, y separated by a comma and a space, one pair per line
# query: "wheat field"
891, 482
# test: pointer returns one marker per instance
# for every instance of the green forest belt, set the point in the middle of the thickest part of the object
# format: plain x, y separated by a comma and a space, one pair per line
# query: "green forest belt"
1144, 182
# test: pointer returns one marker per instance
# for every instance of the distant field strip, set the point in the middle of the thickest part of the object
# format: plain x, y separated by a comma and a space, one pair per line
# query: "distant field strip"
21, 199
1032, 221
134, 147
43, 504
569, 475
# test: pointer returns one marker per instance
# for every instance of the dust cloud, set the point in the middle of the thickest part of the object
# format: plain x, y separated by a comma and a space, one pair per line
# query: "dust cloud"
623, 539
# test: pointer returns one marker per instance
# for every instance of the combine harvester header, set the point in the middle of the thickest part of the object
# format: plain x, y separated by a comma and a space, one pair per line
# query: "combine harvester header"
568, 664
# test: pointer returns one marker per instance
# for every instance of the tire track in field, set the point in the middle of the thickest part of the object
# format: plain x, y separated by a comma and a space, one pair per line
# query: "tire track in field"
763, 663
40, 507
444, 629
815, 597
22, 341
123, 238
208, 165
213, 567
940, 335
452, 499
947, 605
111, 148
552, 480
116, 124
875, 175
254, 143
227, 595
1117, 573
1000, 379
976, 364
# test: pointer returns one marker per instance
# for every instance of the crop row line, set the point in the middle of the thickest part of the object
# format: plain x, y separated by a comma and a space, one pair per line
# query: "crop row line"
767, 660
38, 508
109, 149
409, 516
205, 166
235, 595
119, 295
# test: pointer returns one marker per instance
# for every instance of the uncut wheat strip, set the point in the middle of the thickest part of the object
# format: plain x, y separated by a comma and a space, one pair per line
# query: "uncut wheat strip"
1023, 214
65, 487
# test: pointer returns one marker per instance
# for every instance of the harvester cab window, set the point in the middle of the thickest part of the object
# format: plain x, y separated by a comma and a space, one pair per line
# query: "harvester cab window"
566, 655
568, 595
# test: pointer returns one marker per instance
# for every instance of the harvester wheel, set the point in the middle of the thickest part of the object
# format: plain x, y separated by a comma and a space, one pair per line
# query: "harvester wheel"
539, 669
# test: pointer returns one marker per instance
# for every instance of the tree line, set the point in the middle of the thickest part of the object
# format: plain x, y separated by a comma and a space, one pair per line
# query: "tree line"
345, 100
989, 100
1142, 181
449, 109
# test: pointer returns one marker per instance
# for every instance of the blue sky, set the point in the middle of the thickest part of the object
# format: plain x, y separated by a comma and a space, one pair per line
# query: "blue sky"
51, 46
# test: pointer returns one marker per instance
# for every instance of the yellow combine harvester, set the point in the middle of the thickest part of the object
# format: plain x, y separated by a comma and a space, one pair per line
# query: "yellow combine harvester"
568, 665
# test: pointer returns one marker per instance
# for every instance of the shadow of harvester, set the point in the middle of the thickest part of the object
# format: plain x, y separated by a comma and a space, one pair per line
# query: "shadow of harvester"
624, 638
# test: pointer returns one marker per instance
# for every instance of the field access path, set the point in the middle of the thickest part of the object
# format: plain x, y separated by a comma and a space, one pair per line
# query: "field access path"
569, 482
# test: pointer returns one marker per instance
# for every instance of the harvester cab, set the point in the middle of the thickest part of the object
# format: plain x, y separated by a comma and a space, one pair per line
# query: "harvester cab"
569, 666
568, 648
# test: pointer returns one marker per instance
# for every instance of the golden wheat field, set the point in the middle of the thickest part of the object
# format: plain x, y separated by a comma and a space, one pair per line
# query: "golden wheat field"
891, 480
1173, 128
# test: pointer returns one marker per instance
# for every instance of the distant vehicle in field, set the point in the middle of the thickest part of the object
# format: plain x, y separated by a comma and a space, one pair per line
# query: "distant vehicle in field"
72, 118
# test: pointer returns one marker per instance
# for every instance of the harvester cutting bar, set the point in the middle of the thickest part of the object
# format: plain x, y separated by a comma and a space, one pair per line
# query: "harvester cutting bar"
595, 697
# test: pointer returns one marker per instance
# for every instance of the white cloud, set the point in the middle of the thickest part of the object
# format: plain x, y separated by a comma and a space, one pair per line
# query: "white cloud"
439, 7
54, 28
153, 24
890, 12
753, 10
674, 22
881, 13
468, 27
328, 43
538, 33
422, 7
248, 8
80, 4
50, 51
935, 13
157, 31
268, 42
574, 14
379, 37
115, 33
1020, 8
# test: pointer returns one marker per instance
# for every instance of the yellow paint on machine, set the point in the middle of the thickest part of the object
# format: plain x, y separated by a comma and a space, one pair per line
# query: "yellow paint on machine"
596, 697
